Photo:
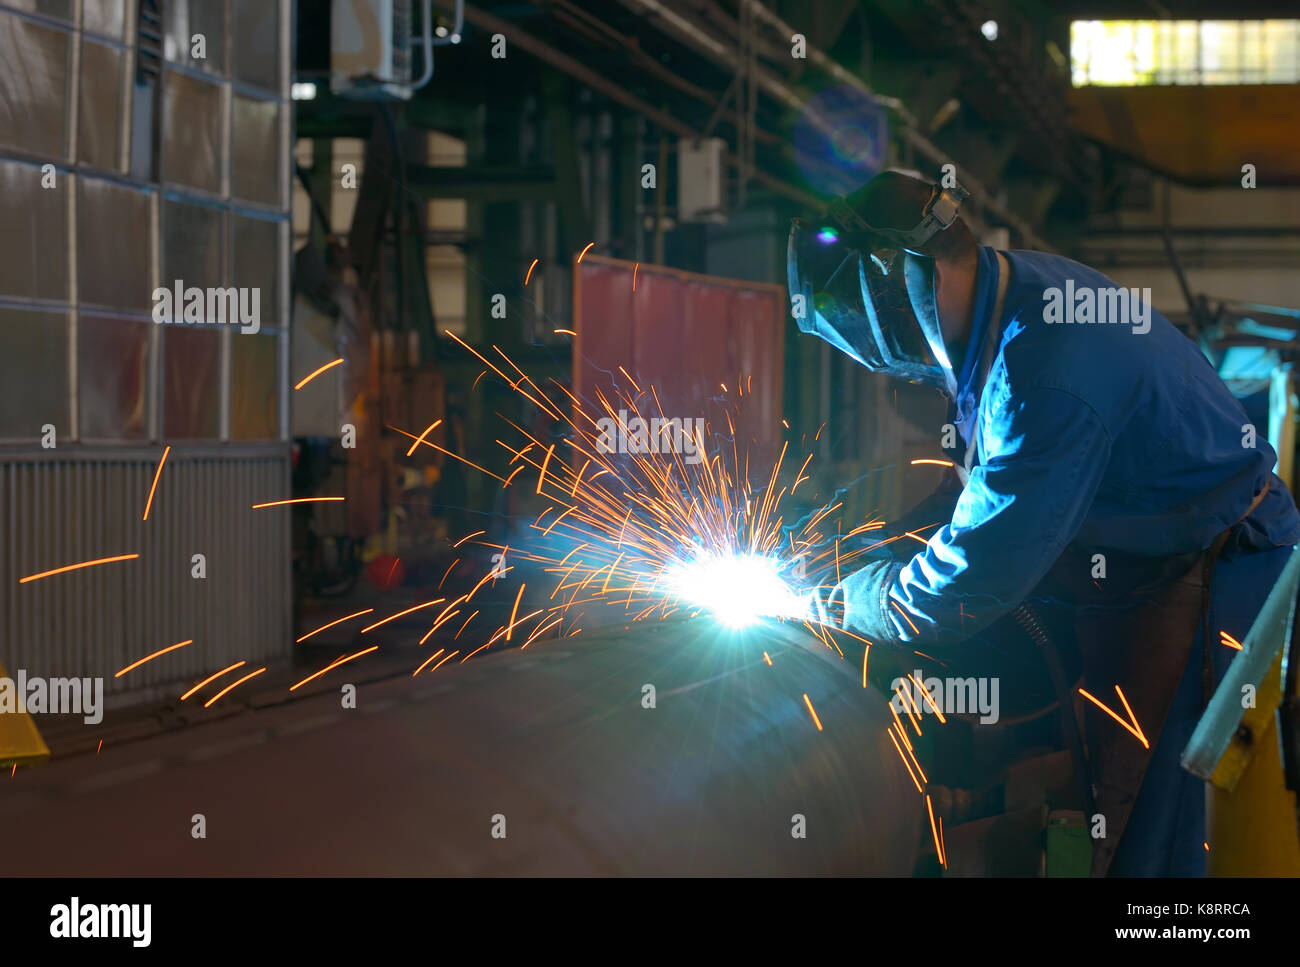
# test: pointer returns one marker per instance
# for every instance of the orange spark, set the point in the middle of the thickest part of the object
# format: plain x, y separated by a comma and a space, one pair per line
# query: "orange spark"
767, 658
333, 623
542, 475
426, 662
904, 614
925, 694
330, 667
938, 847
1231, 642
567, 332
211, 678
445, 573
629, 378
394, 617
464, 626
585, 251
295, 500
232, 686
906, 764
812, 711
936, 463
156, 474
541, 627
530, 271
420, 438
917, 762
515, 610
307, 379
454, 456
1134, 729
473, 653
467, 537
100, 747
162, 651
74, 567
635, 267
444, 661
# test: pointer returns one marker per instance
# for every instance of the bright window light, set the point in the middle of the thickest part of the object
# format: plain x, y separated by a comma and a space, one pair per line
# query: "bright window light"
1144, 52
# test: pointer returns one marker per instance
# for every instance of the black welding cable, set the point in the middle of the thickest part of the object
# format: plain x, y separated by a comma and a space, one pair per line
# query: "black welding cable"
1028, 620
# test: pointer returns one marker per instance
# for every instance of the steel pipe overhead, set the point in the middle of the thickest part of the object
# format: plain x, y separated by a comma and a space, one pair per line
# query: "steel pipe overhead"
691, 34
563, 62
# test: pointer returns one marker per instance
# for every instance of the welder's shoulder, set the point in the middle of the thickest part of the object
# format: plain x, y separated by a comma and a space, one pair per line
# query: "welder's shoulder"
1075, 330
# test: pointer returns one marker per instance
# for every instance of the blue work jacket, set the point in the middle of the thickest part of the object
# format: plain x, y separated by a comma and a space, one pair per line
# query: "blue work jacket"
1115, 435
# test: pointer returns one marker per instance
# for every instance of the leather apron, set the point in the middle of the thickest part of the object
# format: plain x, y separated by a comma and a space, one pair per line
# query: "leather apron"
1136, 630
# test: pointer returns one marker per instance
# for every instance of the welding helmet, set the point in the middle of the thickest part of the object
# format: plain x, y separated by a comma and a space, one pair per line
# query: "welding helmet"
869, 291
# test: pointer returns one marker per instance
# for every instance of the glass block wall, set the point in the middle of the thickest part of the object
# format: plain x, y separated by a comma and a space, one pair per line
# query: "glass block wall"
142, 142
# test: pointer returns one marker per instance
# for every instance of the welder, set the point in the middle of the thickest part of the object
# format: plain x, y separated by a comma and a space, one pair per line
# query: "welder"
1100, 452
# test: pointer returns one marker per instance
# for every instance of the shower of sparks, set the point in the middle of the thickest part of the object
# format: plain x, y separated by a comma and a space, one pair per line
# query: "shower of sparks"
649, 530
310, 376
156, 474
76, 567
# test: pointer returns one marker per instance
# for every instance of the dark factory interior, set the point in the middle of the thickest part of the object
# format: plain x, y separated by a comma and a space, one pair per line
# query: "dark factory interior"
649, 438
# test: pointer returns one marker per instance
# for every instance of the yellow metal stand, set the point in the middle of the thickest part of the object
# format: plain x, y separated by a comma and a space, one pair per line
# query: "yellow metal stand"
20, 742
1251, 816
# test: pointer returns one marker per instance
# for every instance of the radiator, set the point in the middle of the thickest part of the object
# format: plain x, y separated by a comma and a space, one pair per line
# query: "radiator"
62, 509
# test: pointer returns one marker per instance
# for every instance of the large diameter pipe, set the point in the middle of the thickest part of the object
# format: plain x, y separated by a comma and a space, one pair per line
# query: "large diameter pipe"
716, 778
670, 748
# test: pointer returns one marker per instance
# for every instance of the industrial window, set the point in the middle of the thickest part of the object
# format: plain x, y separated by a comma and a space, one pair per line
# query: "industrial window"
143, 143
1125, 53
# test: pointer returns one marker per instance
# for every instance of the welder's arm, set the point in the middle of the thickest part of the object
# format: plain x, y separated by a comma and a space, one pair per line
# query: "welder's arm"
1018, 511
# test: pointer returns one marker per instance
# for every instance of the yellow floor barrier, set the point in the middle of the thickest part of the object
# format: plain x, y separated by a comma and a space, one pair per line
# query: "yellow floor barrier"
20, 741
1251, 818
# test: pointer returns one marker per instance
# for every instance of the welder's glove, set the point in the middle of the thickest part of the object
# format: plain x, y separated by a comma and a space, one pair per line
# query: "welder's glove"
859, 602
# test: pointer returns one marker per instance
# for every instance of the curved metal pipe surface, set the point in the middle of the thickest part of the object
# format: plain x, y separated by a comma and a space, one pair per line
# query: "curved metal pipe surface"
708, 781
553, 746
